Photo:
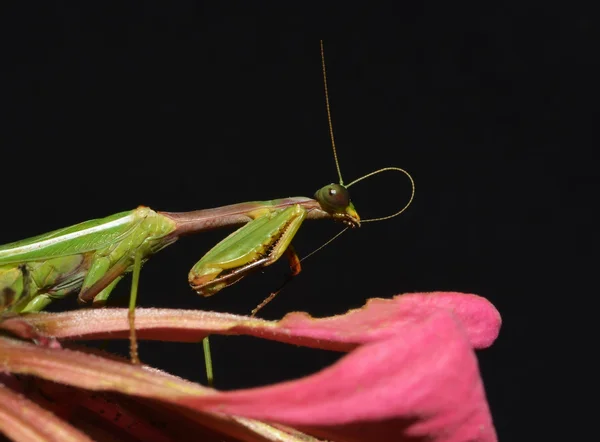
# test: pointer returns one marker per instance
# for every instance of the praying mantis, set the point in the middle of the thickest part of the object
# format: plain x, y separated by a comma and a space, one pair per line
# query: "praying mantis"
90, 258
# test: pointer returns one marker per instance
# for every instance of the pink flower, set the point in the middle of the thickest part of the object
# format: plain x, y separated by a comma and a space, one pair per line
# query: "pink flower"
410, 374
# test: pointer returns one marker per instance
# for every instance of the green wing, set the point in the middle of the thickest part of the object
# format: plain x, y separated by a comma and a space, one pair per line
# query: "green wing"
80, 238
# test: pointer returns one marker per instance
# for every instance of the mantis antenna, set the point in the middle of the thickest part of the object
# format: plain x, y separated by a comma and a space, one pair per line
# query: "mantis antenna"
337, 163
412, 194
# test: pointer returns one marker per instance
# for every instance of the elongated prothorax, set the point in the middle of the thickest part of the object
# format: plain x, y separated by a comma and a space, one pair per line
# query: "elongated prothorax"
238, 214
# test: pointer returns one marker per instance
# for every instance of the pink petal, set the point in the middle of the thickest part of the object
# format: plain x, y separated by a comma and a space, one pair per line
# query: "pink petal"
422, 383
22, 420
95, 373
414, 377
378, 319
478, 316
90, 371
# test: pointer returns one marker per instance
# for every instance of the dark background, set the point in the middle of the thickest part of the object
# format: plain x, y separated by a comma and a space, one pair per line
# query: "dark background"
180, 106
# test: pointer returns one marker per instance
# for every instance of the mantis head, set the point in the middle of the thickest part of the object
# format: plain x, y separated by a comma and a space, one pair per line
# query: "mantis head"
335, 200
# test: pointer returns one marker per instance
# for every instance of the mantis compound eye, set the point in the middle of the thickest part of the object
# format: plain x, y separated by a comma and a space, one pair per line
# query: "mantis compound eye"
338, 196
333, 198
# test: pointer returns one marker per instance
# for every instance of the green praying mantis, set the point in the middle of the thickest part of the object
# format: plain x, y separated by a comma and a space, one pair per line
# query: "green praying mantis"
92, 257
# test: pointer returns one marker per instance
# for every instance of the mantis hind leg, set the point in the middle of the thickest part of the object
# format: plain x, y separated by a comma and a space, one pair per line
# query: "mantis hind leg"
102, 279
41, 301
133, 346
101, 298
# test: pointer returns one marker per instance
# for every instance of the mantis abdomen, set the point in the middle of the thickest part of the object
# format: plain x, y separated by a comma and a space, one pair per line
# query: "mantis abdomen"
41, 281
90, 257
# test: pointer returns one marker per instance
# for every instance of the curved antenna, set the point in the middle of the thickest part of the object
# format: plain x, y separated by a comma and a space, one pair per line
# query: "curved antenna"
337, 164
412, 195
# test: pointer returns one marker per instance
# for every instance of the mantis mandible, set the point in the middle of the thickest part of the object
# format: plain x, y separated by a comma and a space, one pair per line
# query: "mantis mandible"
92, 257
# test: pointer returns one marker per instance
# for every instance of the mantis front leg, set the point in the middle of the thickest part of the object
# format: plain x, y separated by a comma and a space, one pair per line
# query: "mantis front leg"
259, 243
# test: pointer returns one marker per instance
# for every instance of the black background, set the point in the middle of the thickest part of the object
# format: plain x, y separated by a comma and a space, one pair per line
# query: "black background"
180, 106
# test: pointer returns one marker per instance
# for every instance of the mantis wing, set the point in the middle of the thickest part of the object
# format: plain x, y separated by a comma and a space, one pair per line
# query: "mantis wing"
78, 239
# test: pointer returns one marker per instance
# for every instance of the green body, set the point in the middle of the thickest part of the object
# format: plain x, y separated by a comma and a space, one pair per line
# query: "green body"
92, 255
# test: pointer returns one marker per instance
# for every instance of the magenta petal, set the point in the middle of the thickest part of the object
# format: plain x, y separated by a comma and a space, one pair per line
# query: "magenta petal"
412, 374
478, 316
23, 420
422, 383
378, 319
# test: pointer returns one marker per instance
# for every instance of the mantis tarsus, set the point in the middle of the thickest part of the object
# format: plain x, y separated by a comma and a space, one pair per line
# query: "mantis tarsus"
93, 256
